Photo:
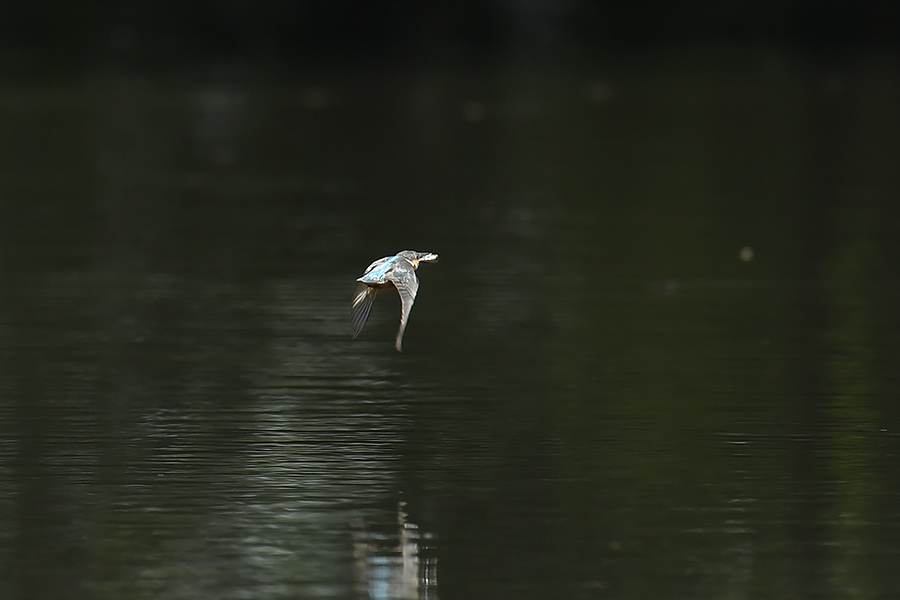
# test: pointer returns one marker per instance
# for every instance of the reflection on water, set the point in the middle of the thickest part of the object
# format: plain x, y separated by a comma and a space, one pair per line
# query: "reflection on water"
395, 564
658, 359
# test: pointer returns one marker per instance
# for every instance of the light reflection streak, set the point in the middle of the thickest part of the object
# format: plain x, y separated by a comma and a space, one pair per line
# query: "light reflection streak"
396, 565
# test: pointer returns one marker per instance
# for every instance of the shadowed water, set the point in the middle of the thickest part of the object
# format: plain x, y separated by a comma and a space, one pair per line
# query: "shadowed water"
657, 358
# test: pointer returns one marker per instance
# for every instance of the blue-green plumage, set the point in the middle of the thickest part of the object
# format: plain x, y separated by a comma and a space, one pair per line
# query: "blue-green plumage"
398, 271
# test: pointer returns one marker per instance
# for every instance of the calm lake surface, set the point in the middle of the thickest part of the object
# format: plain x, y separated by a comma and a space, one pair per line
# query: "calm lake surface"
657, 359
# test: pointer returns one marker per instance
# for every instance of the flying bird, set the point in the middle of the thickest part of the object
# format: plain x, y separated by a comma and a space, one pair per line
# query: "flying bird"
398, 271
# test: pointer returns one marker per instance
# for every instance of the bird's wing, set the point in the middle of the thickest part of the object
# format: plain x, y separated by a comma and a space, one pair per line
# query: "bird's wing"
362, 306
407, 285
377, 268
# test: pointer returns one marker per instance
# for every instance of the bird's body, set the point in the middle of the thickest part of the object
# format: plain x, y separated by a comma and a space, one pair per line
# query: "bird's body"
398, 271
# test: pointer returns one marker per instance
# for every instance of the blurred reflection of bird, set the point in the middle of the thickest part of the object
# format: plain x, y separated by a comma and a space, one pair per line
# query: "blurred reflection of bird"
397, 271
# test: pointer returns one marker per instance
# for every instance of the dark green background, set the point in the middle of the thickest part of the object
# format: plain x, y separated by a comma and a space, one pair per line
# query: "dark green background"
598, 398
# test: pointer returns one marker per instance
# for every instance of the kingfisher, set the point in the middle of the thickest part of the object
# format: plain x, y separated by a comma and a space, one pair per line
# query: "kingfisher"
398, 271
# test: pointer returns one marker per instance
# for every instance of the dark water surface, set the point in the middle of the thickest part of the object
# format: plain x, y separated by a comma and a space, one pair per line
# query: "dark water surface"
657, 359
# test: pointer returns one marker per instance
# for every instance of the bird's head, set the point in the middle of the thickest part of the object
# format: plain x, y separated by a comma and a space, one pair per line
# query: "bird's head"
416, 257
